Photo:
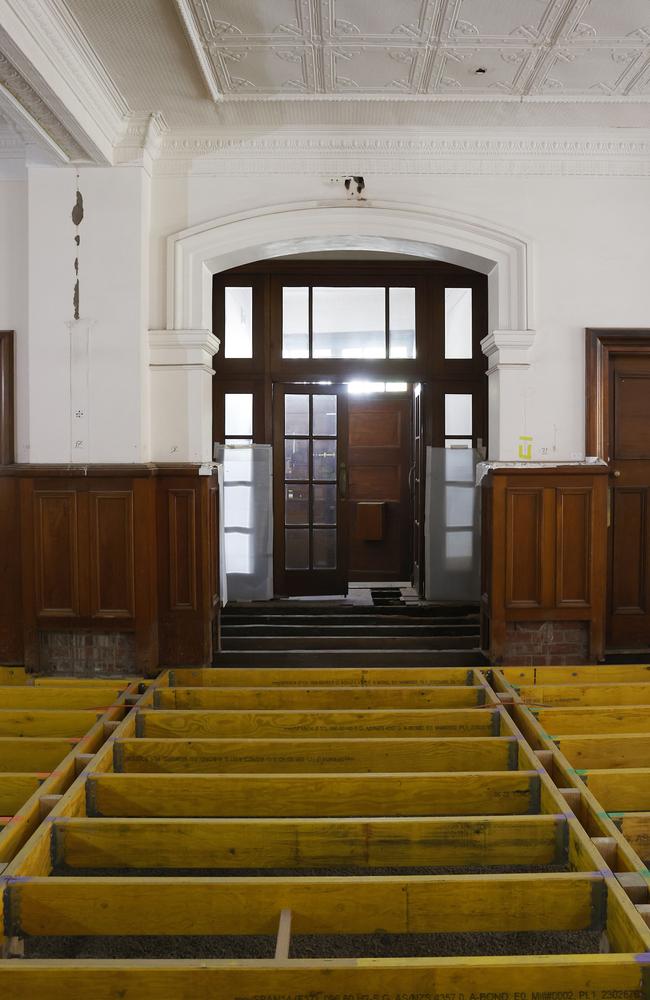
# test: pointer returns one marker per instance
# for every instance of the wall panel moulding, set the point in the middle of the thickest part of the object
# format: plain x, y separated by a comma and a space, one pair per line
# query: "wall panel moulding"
105, 558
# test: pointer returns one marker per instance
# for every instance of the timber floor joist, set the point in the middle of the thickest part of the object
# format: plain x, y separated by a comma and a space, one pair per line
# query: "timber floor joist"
342, 834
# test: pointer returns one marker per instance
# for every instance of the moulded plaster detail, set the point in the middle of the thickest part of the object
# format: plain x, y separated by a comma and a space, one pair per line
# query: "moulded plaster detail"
194, 255
466, 46
335, 152
508, 349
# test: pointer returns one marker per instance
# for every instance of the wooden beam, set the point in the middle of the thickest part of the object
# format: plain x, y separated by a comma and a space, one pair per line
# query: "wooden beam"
586, 694
393, 977
95, 698
45, 722
16, 788
320, 697
612, 750
242, 677
616, 674
47, 803
406, 794
574, 720
283, 939
620, 789
635, 827
32, 754
608, 848
308, 843
399, 723
316, 755
395, 904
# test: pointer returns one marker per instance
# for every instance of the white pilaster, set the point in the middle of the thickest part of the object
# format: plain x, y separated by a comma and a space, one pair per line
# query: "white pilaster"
509, 363
180, 363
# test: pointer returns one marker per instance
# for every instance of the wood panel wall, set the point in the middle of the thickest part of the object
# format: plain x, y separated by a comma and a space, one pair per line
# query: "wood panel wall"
131, 549
544, 550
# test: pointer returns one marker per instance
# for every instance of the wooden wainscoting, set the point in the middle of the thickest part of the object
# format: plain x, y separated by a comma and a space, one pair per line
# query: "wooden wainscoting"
544, 554
107, 552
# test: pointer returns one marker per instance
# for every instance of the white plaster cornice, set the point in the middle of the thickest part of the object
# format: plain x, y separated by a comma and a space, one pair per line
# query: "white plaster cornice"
142, 140
623, 152
508, 349
47, 48
182, 349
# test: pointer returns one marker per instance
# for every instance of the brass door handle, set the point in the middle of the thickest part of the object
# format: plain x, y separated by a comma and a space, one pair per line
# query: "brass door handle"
616, 474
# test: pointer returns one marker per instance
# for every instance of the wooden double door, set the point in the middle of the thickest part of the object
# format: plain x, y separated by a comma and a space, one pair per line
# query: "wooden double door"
342, 502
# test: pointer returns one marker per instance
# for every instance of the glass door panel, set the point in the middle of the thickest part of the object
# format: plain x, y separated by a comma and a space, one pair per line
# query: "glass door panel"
310, 485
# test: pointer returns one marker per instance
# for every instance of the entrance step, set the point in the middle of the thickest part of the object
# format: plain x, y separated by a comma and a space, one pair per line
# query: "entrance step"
324, 659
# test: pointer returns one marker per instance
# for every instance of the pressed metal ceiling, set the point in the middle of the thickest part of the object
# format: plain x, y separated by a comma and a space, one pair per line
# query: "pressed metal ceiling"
219, 62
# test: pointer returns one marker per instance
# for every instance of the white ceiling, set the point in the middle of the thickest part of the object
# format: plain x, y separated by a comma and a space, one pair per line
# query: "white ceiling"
292, 48
214, 64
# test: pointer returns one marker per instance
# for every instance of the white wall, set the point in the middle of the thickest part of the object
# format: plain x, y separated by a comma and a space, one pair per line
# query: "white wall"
13, 275
591, 252
113, 274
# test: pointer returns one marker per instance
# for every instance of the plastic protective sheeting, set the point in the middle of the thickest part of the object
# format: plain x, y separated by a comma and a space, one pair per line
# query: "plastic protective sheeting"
452, 525
246, 531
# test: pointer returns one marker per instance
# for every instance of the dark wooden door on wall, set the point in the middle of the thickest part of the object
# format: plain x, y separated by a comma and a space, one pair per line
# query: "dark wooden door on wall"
618, 431
379, 507
629, 523
310, 481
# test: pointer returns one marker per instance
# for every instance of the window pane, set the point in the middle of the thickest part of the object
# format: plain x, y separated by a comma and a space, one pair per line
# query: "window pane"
459, 506
296, 414
402, 323
396, 386
237, 463
458, 550
324, 414
324, 549
296, 459
324, 459
237, 502
239, 414
349, 323
296, 548
296, 505
238, 552
324, 504
458, 413
239, 322
459, 465
364, 388
295, 322
458, 322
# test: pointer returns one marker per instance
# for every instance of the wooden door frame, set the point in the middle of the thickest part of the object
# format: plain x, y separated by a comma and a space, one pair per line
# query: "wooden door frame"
601, 344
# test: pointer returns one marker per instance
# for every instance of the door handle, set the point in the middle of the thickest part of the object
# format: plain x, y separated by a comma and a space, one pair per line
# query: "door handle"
410, 481
616, 473
343, 480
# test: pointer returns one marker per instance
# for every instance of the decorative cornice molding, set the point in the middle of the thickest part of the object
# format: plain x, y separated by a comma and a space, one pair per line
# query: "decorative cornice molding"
182, 349
142, 139
59, 79
295, 152
32, 117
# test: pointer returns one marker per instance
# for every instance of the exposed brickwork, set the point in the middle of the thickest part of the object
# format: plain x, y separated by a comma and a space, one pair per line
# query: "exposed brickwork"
537, 644
85, 654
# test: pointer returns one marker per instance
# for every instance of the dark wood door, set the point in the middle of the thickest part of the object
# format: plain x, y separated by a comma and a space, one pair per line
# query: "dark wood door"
309, 488
628, 623
379, 507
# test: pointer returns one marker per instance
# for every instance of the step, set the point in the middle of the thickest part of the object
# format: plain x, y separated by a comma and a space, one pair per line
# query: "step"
345, 619
354, 631
322, 659
346, 642
300, 607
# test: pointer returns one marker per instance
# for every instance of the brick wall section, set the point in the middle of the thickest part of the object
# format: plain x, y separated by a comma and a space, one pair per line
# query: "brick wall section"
87, 654
537, 644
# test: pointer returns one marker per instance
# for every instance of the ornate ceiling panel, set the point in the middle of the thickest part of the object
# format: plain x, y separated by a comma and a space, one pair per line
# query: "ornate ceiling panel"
354, 48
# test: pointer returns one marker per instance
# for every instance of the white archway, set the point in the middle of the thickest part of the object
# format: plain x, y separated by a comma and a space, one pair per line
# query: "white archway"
180, 356
195, 254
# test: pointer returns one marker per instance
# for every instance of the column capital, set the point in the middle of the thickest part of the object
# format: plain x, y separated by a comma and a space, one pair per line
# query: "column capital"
179, 348
508, 349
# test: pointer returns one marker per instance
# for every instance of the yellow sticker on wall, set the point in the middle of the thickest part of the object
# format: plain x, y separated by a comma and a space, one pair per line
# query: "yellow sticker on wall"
525, 448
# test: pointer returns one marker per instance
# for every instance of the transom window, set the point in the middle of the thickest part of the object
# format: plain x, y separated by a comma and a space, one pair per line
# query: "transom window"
355, 322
